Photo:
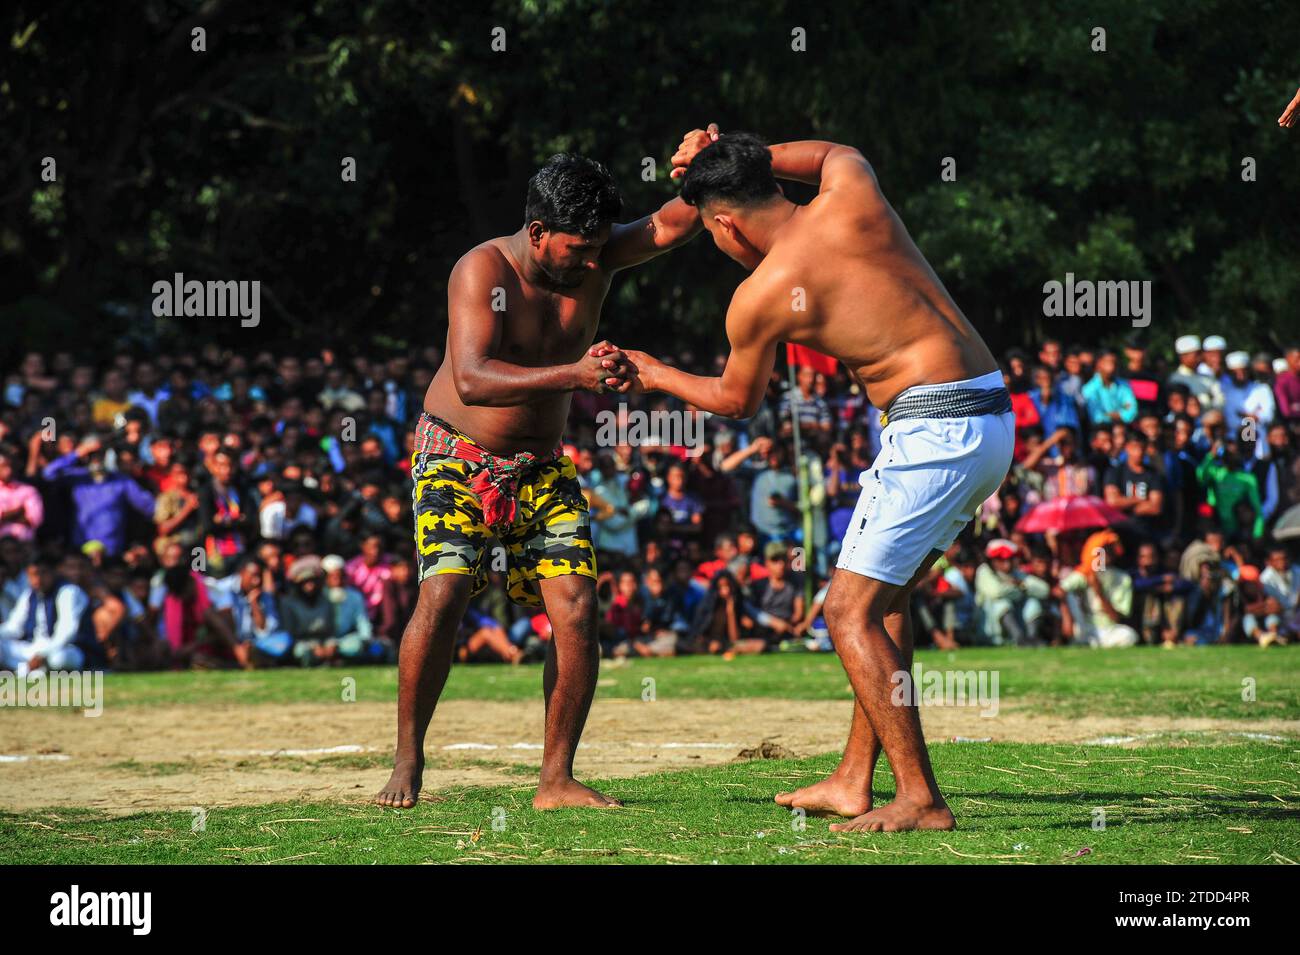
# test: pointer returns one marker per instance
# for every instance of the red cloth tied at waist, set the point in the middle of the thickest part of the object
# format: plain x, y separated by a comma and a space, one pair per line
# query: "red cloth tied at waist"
497, 481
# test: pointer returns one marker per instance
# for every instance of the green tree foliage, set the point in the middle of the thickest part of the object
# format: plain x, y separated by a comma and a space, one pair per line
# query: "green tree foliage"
1123, 164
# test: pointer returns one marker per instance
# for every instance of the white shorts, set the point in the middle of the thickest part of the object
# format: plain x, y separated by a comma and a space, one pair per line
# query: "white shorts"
925, 486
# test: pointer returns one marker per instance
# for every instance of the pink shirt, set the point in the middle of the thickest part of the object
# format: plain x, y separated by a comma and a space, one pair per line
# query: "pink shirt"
14, 495
1287, 390
369, 580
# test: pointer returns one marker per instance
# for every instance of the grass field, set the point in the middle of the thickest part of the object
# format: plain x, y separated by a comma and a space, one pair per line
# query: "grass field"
1216, 783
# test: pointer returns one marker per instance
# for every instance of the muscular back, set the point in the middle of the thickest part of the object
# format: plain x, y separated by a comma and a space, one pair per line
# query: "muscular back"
871, 299
539, 327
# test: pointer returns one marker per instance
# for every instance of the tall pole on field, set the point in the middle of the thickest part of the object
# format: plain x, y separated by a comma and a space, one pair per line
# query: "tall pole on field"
801, 471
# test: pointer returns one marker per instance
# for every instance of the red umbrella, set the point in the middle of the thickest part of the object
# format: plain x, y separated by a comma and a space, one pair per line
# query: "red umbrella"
1074, 513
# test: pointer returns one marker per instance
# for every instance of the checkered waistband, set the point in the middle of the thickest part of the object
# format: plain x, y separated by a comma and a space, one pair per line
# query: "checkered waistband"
497, 481
947, 403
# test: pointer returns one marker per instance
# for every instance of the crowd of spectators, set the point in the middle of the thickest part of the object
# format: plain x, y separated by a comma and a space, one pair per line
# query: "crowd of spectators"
207, 508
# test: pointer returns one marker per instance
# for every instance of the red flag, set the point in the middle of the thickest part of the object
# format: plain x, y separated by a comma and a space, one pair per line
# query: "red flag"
803, 355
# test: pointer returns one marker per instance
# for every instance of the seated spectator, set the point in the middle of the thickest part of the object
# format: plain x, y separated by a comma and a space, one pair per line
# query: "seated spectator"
196, 632
255, 615
1008, 602
1099, 596
482, 638
46, 628
1261, 612
813, 628
400, 594
778, 603
1159, 598
621, 627
1281, 579
310, 617
722, 622
352, 626
725, 553
1210, 613
663, 622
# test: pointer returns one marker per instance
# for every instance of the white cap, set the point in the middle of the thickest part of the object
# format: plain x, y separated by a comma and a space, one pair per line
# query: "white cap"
1187, 343
1237, 359
332, 563
1279, 365
1214, 343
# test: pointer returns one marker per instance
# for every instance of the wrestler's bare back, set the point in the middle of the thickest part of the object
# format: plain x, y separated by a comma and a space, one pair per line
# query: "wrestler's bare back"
540, 326
871, 299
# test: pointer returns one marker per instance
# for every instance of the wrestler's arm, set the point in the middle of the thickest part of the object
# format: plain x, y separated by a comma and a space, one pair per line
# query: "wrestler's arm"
474, 341
1288, 117
813, 161
631, 243
739, 391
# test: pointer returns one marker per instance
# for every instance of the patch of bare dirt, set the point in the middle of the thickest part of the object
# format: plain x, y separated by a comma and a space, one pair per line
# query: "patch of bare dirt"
177, 757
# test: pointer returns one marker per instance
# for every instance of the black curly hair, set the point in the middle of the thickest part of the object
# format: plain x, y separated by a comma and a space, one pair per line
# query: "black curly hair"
737, 169
572, 194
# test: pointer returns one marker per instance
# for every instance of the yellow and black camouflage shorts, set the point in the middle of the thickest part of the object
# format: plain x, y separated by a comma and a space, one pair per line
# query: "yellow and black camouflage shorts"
550, 535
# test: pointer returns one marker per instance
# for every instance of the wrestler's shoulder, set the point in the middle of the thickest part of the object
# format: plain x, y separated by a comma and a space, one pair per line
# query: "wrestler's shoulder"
487, 260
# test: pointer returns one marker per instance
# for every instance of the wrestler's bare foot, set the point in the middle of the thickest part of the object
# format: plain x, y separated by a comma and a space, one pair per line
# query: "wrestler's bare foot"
834, 795
901, 815
402, 791
567, 792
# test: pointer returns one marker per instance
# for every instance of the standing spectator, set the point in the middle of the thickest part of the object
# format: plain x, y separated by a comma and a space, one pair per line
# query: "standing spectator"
226, 515
1055, 408
1146, 385
685, 512
370, 570
146, 395
814, 413
1203, 387
1109, 399
176, 512
1232, 491
111, 402
1244, 397
1286, 388
774, 500
1133, 488
21, 509
101, 500
1212, 351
